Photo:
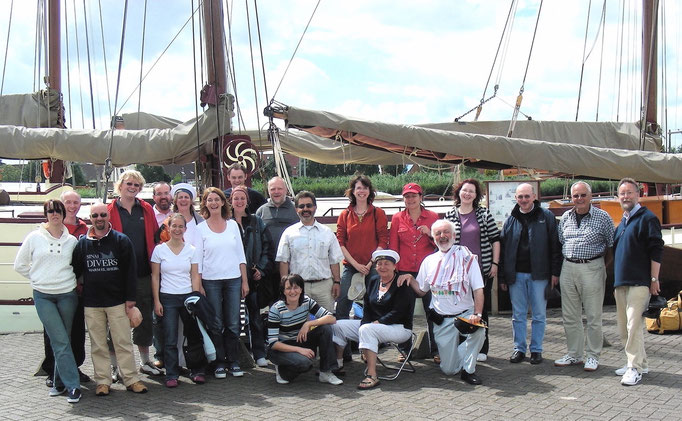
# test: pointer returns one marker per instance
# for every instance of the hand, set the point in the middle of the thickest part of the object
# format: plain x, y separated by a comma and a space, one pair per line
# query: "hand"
158, 309
503, 287
655, 288
474, 318
493, 271
129, 305
303, 333
256, 274
245, 289
424, 230
336, 290
361, 268
308, 353
555, 281
404, 279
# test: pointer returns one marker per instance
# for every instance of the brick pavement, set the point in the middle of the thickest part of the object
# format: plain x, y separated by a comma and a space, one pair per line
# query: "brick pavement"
510, 391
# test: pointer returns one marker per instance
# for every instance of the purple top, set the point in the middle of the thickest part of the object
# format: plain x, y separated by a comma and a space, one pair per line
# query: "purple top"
471, 233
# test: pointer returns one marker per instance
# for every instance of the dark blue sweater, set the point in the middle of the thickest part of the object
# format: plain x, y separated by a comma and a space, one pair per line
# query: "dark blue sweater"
635, 245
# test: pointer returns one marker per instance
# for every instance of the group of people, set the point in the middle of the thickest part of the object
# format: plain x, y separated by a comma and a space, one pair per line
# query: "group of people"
138, 265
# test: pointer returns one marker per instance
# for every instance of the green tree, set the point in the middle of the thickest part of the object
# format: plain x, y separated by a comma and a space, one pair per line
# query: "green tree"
152, 173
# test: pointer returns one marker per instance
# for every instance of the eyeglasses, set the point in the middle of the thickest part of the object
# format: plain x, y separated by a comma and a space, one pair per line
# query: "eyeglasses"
101, 215
305, 205
54, 211
130, 183
580, 196
523, 196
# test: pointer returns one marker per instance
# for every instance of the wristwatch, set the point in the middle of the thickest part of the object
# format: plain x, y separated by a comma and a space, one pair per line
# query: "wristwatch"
654, 279
478, 315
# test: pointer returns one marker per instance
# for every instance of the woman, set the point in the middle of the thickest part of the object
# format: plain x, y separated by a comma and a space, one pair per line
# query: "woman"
45, 258
259, 261
183, 203
387, 316
293, 336
361, 229
477, 230
223, 275
175, 274
411, 238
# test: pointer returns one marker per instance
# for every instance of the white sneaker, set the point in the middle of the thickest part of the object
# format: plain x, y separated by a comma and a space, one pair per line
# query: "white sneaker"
591, 364
631, 377
262, 362
481, 357
150, 369
567, 360
279, 379
329, 377
624, 368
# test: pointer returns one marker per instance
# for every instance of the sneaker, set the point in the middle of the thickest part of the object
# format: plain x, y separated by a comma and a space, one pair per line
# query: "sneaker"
57, 390
220, 373
159, 364
481, 357
49, 382
137, 387
279, 378
624, 368
235, 371
631, 377
171, 383
329, 377
74, 396
591, 364
262, 362
567, 360
150, 369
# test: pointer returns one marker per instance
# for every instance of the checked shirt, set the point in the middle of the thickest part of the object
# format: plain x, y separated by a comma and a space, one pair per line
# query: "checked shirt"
588, 241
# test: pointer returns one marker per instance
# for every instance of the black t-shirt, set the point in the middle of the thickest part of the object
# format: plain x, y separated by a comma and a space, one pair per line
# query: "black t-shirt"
133, 227
523, 252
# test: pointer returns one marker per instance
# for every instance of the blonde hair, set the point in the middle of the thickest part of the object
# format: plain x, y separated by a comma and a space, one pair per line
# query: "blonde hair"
129, 174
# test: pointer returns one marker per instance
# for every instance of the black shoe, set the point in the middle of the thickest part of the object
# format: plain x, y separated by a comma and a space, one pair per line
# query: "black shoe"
49, 382
84, 378
517, 357
470, 378
535, 357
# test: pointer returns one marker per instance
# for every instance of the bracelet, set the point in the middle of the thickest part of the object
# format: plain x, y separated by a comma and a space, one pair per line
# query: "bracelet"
495, 263
337, 282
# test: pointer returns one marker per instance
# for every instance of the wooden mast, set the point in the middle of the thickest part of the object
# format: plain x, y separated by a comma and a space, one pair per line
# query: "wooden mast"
54, 79
650, 62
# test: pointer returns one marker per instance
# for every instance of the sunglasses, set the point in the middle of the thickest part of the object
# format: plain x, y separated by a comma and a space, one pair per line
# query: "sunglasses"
580, 196
130, 183
54, 211
305, 205
101, 215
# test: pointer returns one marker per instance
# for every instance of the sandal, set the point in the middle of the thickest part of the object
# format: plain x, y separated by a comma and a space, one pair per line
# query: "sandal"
368, 382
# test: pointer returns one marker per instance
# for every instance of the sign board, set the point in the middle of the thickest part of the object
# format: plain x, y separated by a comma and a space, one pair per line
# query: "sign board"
501, 197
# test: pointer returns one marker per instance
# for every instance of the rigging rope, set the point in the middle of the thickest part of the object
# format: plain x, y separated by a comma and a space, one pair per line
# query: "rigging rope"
262, 57
68, 66
197, 174
601, 57
78, 57
232, 72
519, 99
253, 68
87, 44
296, 49
582, 65
586, 55
144, 34
104, 55
4, 64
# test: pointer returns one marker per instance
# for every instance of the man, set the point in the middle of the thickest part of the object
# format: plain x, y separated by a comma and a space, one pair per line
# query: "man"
136, 219
76, 227
586, 235
237, 175
530, 258
637, 249
453, 276
278, 214
106, 261
311, 250
162, 201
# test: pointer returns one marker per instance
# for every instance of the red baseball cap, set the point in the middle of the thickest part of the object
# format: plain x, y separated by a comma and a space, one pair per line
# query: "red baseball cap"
412, 188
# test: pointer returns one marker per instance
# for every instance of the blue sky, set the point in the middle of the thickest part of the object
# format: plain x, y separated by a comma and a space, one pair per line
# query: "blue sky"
395, 61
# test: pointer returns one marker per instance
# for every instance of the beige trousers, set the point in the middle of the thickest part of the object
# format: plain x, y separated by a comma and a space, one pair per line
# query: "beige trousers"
631, 301
321, 291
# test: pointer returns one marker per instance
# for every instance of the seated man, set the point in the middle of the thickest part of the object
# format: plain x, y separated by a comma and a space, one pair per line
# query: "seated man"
386, 317
454, 278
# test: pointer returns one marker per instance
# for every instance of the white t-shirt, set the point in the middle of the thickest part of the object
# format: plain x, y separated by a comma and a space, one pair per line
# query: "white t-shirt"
175, 269
445, 301
221, 253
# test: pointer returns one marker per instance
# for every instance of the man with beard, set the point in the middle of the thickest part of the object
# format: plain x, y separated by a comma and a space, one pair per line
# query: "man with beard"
453, 276
162, 201
106, 261
637, 249
312, 251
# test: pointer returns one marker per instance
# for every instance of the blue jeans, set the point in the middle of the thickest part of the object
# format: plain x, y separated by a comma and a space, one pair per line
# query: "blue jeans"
343, 304
256, 328
291, 364
173, 308
524, 292
56, 312
225, 298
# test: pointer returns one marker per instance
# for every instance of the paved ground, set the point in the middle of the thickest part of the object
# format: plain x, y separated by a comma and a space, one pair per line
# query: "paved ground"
510, 391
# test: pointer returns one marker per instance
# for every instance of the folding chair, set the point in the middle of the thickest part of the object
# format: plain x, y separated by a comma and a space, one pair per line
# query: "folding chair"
406, 365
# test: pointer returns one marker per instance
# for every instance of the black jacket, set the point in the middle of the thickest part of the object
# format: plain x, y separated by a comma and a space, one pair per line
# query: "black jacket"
257, 247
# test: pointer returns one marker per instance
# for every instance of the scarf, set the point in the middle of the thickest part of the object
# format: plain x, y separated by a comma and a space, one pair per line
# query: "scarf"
452, 272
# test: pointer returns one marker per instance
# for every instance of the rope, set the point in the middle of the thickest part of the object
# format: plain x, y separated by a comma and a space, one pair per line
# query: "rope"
104, 55
262, 57
144, 33
232, 72
587, 56
253, 68
619, 53
664, 75
582, 66
4, 64
78, 56
87, 44
197, 173
296, 49
601, 57
519, 99
68, 66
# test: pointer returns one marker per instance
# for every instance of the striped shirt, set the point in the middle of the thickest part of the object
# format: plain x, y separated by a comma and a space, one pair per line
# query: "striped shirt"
590, 239
489, 233
284, 324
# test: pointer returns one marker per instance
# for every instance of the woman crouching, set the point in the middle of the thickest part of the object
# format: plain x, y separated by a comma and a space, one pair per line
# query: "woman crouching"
293, 337
387, 316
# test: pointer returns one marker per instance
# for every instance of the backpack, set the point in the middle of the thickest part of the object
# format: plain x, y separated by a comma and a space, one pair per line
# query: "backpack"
669, 320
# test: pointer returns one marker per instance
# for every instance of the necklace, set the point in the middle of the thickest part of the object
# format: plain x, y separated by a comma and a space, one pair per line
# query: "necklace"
360, 214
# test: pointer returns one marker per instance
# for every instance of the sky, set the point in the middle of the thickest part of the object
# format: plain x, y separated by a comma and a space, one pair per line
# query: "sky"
394, 61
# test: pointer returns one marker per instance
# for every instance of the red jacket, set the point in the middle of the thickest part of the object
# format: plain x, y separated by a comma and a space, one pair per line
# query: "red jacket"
150, 225
408, 242
80, 228
362, 238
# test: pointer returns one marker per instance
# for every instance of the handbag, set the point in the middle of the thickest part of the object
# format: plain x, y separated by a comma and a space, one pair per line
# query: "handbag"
669, 319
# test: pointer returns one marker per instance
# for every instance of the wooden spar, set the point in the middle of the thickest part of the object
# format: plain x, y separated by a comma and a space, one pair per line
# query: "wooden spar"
55, 76
649, 60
